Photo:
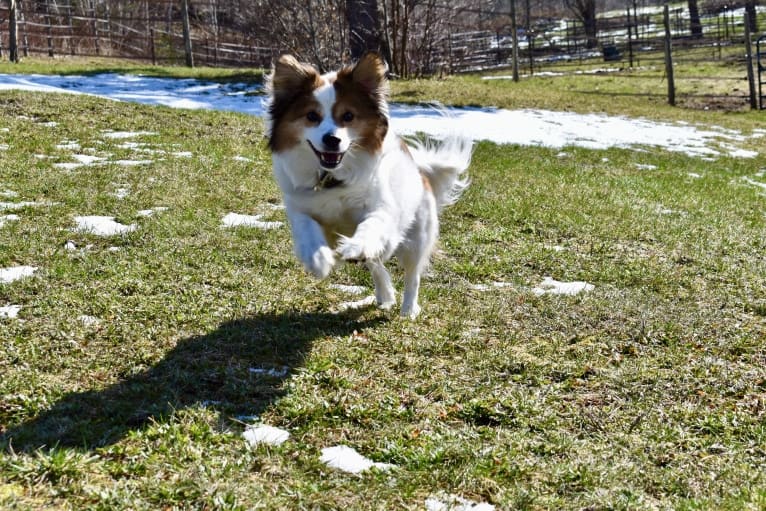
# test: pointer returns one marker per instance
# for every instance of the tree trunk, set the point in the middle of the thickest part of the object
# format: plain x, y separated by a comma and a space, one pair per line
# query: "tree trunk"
752, 16
13, 32
363, 32
695, 25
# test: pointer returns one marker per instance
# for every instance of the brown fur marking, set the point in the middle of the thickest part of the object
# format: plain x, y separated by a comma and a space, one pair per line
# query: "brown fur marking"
292, 85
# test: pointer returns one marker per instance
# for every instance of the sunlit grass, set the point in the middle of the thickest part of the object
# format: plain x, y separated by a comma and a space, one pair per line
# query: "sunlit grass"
645, 393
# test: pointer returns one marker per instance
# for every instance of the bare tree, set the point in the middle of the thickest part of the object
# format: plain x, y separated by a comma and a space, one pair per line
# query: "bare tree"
695, 25
585, 11
363, 26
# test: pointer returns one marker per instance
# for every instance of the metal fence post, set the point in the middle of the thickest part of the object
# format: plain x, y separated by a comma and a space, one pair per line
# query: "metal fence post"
749, 62
669, 59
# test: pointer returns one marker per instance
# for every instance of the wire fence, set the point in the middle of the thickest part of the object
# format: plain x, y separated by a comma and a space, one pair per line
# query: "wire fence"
153, 31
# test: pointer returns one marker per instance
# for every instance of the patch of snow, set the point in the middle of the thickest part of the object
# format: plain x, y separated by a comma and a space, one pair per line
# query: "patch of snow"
69, 145
272, 371
70, 246
352, 290
645, 166
487, 287
121, 193
358, 304
14, 273
524, 127
8, 218
88, 320
118, 135
241, 158
182, 154
455, 503
20, 205
4, 147
554, 287
10, 311
102, 225
132, 163
348, 460
237, 220
755, 183
9, 194
694, 175
48, 124
263, 434
152, 211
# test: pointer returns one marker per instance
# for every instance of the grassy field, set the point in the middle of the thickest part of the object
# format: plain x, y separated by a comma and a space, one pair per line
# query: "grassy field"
137, 360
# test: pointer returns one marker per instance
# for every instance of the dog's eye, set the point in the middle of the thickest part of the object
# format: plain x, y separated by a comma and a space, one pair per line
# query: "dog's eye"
312, 116
347, 117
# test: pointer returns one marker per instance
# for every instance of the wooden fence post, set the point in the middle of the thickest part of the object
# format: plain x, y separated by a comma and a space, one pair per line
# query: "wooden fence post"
749, 62
13, 50
669, 59
187, 33
514, 42
49, 29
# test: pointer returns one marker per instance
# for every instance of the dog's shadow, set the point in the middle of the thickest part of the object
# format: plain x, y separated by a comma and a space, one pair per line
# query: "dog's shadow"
238, 369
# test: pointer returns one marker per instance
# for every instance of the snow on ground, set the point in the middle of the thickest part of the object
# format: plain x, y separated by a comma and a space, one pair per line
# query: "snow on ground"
10, 311
263, 434
348, 460
550, 286
357, 304
238, 220
8, 275
102, 225
8, 218
455, 503
525, 127
351, 290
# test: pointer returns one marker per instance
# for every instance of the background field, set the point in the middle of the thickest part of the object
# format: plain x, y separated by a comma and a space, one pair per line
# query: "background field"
130, 373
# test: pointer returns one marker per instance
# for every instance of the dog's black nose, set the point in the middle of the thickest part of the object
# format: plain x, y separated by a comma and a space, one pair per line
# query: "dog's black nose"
331, 142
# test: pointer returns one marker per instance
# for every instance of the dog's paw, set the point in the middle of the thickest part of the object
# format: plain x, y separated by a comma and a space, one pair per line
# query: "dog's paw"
356, 250
320, 263
410, 312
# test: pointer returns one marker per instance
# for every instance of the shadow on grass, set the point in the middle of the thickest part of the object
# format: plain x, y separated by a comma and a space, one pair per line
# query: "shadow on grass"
237, 369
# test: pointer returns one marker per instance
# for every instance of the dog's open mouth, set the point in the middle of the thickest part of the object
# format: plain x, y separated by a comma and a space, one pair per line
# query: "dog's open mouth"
328, 160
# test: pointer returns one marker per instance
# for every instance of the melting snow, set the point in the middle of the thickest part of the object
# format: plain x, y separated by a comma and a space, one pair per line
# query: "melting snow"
152, 211
352, 290
347, 459
102, 225
358, 304
8, 218
755, 183
272, 371
118, 135
9, 311
237, 220
263, 434
8, 275
455, 503
554, 287
525, 127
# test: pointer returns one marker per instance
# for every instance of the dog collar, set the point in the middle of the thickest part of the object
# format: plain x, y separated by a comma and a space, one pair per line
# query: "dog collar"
327, 181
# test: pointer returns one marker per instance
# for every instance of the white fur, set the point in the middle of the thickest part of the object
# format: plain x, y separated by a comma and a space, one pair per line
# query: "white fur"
382, 209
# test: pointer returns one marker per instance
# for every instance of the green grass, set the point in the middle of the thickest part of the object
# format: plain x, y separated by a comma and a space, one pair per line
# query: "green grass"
648, 392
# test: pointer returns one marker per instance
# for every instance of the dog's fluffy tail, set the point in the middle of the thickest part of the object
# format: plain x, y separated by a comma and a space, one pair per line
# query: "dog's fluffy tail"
444, 163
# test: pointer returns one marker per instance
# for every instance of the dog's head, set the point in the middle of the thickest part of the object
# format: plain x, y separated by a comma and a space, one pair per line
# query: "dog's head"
328, 115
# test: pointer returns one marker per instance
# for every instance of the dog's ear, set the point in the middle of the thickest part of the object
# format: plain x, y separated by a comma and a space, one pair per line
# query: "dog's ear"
290, 76
370, 72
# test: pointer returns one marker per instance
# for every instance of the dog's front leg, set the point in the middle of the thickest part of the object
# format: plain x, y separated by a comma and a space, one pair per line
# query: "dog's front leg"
375, 238
310, 244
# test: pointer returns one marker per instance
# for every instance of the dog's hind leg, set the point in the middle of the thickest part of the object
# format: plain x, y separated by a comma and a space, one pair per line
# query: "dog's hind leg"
384, 289
415, 254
